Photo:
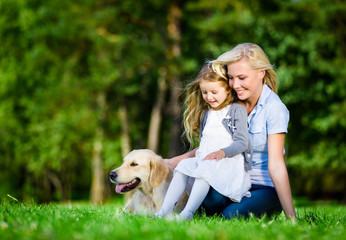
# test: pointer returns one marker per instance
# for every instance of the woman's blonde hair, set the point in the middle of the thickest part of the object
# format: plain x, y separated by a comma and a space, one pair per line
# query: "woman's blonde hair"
195, 105
256, 58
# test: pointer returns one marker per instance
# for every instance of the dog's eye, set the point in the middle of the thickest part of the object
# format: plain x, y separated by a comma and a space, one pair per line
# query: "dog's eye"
133, 164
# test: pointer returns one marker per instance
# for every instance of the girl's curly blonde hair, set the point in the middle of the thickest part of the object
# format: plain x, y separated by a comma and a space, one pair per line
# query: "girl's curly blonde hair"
195, 105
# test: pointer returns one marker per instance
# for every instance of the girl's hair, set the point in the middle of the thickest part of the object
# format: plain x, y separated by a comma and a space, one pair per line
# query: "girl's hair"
195, 105
254, 55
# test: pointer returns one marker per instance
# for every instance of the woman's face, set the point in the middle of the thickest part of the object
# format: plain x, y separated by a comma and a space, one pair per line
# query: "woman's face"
245, 81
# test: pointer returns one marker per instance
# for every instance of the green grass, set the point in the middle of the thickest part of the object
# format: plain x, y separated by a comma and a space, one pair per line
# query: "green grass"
84, 221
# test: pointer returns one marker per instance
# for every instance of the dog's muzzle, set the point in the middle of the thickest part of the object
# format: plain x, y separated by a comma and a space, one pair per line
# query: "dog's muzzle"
113, 176
123, 187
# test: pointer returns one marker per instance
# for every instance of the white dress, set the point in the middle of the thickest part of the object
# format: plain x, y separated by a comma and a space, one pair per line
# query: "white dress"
226, 176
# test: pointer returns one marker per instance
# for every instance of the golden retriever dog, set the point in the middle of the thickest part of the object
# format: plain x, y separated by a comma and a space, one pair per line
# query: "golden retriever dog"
148, 175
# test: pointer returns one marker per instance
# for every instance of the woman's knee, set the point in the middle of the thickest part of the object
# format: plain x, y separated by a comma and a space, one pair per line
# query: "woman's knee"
262, 202
215, 201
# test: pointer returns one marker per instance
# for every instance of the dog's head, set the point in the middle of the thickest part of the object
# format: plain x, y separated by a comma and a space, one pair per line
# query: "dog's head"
140, 169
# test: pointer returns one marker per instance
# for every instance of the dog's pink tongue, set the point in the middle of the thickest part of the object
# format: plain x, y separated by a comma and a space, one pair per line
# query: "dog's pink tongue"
119, 187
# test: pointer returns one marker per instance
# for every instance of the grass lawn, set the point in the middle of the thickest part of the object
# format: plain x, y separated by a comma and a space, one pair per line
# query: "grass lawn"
84, 221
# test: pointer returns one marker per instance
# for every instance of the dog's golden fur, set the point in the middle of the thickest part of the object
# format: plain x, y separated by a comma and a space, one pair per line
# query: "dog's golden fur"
154, 175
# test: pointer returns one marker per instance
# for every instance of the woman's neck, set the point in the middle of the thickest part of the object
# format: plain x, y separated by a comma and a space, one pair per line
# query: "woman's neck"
251, 102
248, 105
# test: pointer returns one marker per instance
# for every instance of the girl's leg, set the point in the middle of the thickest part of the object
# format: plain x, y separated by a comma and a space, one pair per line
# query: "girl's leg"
174, 192
198, 193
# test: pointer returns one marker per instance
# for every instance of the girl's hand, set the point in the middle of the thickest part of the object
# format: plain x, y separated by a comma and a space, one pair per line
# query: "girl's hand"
218, 155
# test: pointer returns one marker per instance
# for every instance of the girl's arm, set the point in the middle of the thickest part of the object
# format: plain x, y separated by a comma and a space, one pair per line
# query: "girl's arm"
173, 162
278, 173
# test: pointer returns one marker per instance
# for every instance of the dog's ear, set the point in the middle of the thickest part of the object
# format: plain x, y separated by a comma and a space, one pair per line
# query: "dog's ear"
158, 171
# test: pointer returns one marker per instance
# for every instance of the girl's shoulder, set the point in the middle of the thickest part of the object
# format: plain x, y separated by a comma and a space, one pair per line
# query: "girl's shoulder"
236, 105
237, 108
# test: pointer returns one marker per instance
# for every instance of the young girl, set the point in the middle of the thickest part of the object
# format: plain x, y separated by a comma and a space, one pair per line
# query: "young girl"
224, 145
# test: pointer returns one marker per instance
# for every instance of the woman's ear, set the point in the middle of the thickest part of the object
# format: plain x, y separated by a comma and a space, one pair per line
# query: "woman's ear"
261, 74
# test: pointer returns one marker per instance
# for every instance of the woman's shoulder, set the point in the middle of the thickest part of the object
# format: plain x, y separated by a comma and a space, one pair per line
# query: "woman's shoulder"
275, 104
276, 114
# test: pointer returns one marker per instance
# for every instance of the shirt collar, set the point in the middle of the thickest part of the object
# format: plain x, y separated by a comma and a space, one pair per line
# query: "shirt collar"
261, 101
264, 95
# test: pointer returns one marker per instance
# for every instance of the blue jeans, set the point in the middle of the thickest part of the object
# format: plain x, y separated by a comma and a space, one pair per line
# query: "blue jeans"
263, 200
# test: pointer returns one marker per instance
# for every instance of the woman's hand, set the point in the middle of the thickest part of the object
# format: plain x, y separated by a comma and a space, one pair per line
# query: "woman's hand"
218, 155
173, 162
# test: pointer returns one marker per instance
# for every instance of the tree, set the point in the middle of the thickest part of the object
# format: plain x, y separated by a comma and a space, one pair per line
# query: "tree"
83, 82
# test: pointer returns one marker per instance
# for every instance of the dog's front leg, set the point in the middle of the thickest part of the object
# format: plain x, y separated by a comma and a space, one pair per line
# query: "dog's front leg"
129, 207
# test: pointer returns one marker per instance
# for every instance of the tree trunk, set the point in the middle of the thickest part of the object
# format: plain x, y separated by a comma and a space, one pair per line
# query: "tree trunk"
54, 179
98, 178
175, 109
125, 132
173, 54
125, 139
156, 113
47, 197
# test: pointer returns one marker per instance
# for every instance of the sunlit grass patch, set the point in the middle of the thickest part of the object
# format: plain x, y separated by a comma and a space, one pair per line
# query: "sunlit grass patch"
84, 221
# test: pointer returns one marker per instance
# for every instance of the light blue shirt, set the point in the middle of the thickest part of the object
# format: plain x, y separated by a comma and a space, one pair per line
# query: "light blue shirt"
269, 116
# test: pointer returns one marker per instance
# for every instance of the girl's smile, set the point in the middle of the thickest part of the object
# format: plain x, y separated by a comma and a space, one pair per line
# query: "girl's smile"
214, 93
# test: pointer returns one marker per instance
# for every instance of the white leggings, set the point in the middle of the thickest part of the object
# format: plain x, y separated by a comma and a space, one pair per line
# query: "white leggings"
177, 187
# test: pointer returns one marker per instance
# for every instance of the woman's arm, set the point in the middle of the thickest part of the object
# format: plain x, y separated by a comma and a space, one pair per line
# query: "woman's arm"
278, 173
173, 162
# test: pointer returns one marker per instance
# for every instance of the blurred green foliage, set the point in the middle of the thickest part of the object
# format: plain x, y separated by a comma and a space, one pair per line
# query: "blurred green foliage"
57, 57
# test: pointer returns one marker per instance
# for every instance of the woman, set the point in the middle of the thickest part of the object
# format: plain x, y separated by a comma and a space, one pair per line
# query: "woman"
254, 83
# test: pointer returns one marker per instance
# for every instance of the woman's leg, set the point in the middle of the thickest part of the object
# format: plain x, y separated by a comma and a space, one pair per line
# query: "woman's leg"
214, 202
198, 193
263, 200
175, 190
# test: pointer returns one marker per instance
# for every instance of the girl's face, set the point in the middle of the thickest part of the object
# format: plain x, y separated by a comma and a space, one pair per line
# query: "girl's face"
245, 81
214, 93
